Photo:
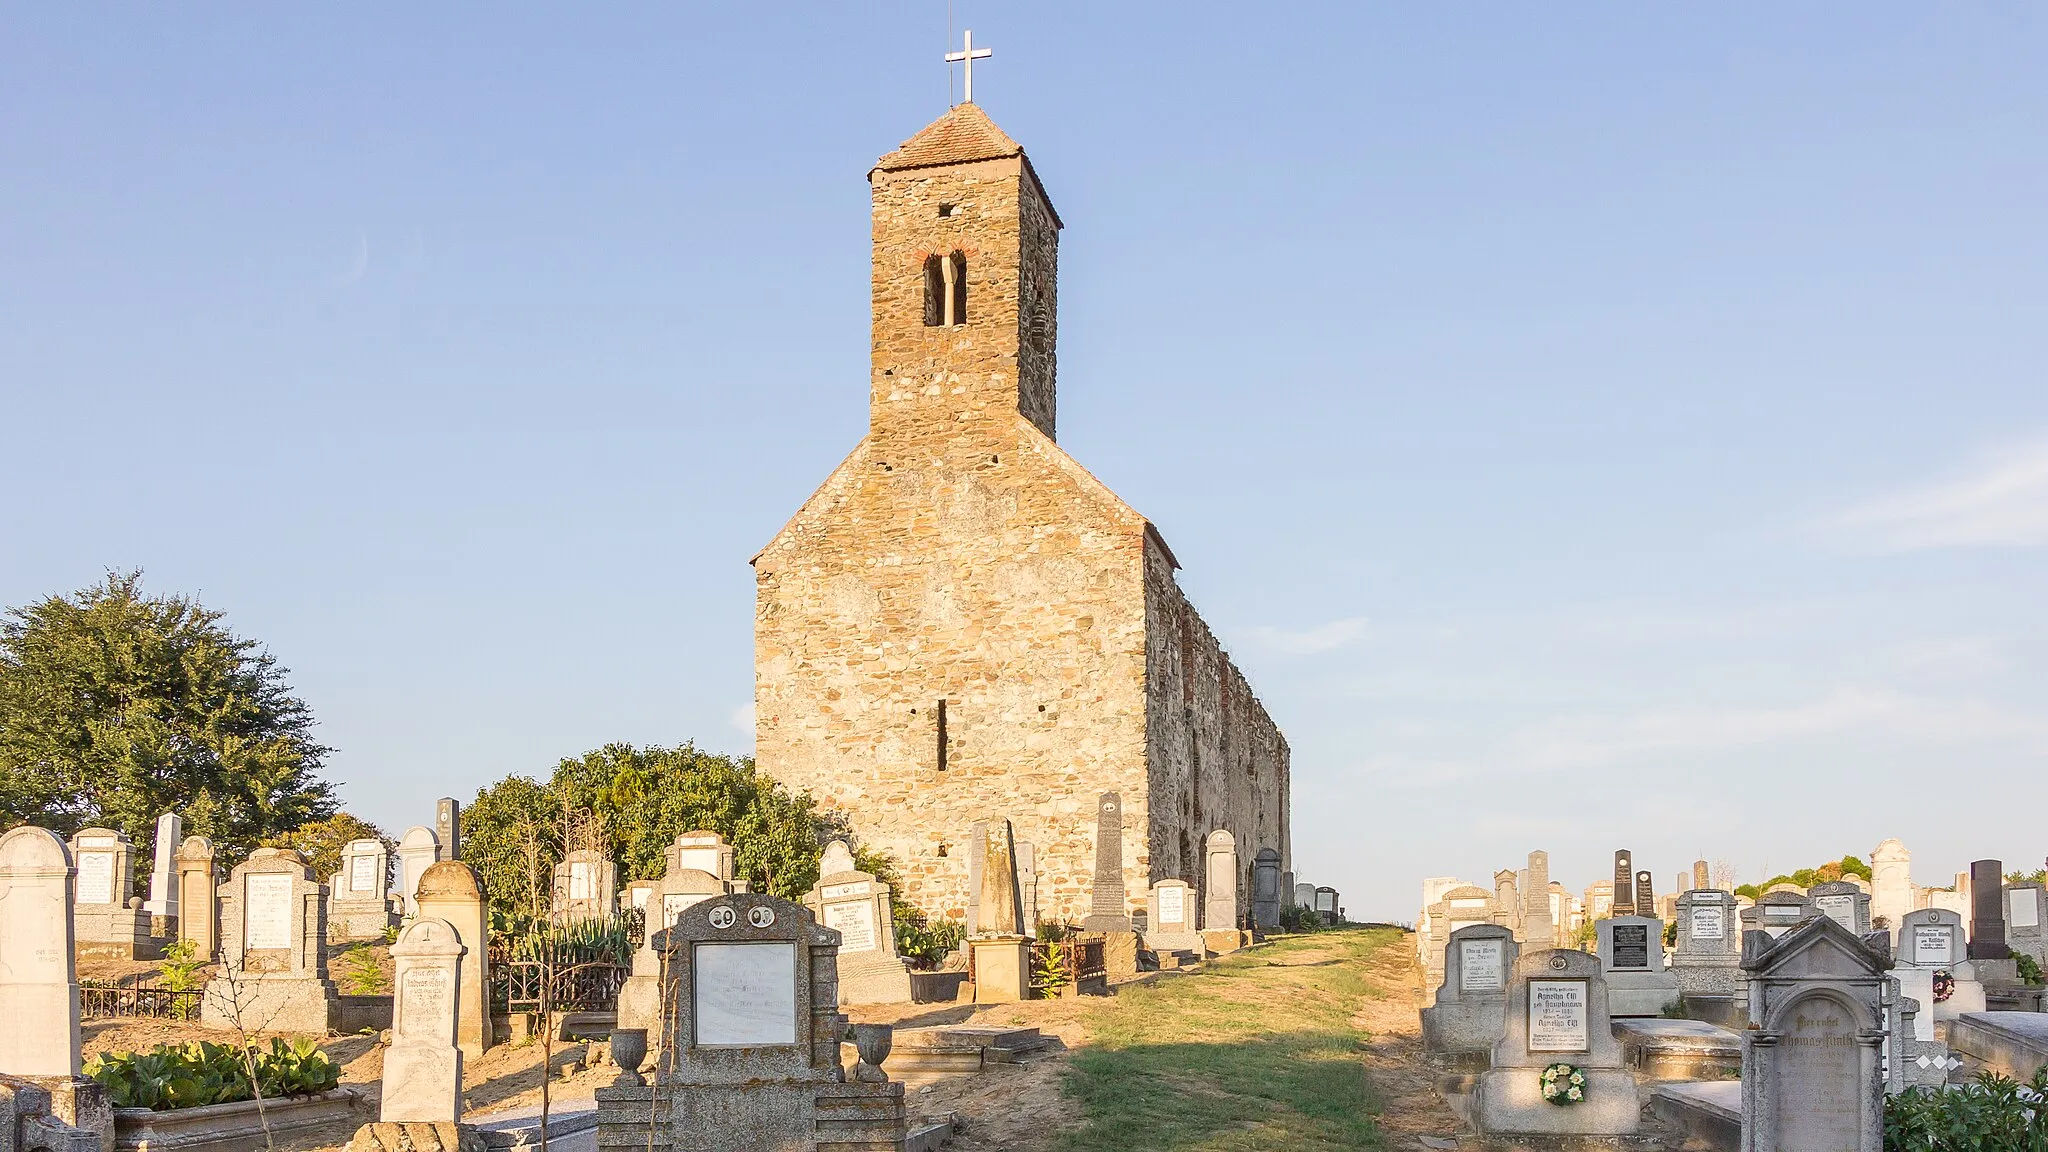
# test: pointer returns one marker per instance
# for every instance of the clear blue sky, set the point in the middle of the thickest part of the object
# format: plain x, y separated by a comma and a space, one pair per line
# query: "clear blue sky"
1593, 427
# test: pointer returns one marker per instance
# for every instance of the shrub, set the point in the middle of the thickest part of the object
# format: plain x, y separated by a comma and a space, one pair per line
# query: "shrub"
180, 971
1990, 1114
2030, 968
595, 940
361, 975
1295, 918
925, 943
198, 1073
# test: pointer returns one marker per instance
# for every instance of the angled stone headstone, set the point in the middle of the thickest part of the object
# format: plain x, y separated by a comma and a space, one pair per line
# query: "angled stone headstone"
38, 969
273, 975
423, 1065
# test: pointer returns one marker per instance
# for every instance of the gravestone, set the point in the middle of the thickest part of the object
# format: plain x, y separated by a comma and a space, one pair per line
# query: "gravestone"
1107, 910
1987, 911
1465, 906
163, 878
697, 866
1600, 899
1706, 959
2024, 905
1632, 961
110, 922
1266, 889
1556, 1014
359, 905
418, 850
1326, 904
38, 969
1913, 1058
1845, 903
1000, 952
1891, 885
1702, 876
1778, 912
1646, 900
199, 900
1507, 900
1624, 881
1469, 1015
1538, 926
639, 893
1932, 944
857, 906
450, 892
273, 974
1305, 895
1811, 1059
1219, 883
1027, 885
585, 887
705, 851
1171, 919
751, 1061
423, 1065
448, 829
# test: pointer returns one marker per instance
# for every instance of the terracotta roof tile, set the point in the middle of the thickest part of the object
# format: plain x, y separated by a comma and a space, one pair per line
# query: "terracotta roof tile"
960, 136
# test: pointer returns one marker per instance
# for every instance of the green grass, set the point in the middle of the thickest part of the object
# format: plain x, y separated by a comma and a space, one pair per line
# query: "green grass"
1255, 1051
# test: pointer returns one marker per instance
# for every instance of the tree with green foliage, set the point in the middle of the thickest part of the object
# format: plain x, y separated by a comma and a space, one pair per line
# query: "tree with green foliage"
116, 707
639, 800
321, 841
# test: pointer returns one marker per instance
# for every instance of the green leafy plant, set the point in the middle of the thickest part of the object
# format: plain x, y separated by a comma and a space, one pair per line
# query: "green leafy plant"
924, 942
2030, 968
361, 975
200, 1072
1990, 1114
596, 940
181, 967
1295, 918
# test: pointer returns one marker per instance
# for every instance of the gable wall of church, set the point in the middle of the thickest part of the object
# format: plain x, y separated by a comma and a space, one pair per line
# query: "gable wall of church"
961, 567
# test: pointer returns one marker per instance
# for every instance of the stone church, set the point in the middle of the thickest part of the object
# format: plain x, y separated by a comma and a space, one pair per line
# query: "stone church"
961, 623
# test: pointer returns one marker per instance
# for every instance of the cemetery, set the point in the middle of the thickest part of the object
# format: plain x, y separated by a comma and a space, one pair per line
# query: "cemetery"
991, 843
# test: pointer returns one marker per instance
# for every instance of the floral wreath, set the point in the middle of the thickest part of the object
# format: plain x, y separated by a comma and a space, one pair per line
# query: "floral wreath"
1944, 986
1564, 1085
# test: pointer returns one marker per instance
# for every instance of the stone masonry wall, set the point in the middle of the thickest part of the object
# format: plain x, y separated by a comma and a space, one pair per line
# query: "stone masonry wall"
1216, 758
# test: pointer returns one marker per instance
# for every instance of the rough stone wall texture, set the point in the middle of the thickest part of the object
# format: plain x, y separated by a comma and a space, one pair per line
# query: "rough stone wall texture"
959, 555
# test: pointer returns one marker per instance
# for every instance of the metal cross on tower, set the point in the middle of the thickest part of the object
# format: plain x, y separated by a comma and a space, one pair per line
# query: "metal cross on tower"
966, 57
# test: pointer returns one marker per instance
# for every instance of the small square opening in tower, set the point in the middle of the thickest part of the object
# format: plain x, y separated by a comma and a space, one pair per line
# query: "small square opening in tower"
945, 210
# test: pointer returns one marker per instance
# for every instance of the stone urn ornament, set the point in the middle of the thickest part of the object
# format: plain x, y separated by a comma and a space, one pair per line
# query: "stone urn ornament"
872, 1042
628, 1049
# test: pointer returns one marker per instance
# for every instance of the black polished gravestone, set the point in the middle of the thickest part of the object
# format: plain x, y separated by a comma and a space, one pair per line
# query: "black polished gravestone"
1646, 900
1624, 882
1987, 911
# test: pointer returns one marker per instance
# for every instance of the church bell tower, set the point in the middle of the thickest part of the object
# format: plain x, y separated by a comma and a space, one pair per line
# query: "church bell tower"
966, 254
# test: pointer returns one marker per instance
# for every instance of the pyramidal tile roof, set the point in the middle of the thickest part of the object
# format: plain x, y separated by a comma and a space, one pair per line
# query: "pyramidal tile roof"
962, 135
